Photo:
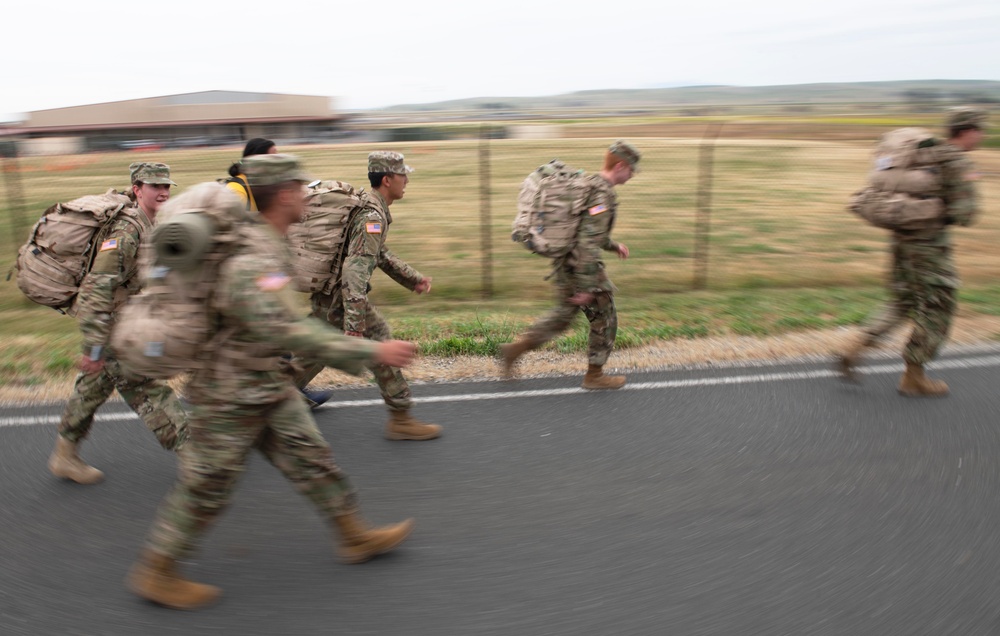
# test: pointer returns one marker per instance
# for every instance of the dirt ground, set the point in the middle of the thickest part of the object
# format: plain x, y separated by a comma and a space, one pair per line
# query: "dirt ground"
713, 351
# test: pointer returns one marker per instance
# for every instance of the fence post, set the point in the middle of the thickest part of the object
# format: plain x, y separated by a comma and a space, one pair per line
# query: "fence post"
15, 197
703, 214
485, 223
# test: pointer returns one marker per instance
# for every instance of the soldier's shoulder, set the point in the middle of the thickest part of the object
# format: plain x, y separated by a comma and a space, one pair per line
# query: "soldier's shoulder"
947, 152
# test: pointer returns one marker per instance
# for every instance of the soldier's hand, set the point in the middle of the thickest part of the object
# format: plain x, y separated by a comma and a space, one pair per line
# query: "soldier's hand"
581, 299
395, 353
622, 251
423, 286
90, 366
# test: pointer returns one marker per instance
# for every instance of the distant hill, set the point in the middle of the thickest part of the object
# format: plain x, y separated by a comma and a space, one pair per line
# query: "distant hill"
913, 92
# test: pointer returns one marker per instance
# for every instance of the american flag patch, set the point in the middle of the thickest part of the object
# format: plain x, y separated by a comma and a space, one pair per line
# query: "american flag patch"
272, 282
110, 244
597, 209
373, 228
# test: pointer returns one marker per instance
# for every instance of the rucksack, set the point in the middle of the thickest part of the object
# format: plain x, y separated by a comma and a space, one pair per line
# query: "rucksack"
317, 242
169, 327
549, 207
61, 247
904, 185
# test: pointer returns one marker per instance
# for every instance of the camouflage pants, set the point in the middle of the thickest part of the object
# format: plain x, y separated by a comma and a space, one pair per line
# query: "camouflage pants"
601, 314
152, 400
916, 293
221, 438
391, 383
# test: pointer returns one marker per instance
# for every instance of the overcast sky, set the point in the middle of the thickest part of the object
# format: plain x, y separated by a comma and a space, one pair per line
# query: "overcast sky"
378, 53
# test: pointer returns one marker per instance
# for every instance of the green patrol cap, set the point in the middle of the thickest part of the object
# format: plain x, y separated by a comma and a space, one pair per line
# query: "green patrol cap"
265, 170
385, 161
155, 173
966, 116
626, 152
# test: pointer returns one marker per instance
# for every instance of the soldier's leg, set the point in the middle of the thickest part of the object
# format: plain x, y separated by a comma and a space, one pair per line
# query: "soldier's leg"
395, 391
209, 465
391, 383
893, 311
90, 391
292, 442
294, 445
155, 403
220, 438
603, 318
932, 323
545, 328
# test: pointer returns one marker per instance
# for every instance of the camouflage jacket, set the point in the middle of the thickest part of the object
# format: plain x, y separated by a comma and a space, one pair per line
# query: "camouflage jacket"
366, 249
930, 250
260, 321
598, 218
112, 278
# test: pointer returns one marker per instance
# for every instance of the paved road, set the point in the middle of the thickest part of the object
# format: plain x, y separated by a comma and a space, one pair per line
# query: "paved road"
750, 500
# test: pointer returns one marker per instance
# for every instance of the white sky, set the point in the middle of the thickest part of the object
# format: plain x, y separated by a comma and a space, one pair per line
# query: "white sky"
378, 53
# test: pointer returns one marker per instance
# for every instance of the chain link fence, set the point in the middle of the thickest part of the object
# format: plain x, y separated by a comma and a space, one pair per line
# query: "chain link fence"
717, 205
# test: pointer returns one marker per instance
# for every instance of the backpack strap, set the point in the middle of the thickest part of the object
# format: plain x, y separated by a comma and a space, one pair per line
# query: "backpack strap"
244, 185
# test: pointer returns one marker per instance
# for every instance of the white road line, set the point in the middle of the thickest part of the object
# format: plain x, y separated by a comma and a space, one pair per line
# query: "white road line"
955, 363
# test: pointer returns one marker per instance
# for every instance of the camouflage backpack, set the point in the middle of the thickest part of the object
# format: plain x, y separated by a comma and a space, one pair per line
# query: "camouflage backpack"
317, 242
169, 327
62, 245
548, 209
904, 184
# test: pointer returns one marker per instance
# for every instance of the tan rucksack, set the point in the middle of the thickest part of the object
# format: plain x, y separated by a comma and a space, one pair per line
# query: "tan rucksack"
62, 245
317, 242
549, 207
904, 185
168, 328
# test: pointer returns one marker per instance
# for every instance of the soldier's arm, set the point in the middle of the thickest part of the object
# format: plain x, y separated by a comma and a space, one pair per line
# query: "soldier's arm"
115, 265
398, 270
260, 297
364, 244
959, 192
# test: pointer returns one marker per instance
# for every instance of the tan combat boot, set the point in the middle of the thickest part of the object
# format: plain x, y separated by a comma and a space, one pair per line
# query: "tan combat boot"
155, 578
65, 463
510, 352
915, 384
359, 543
596, 380
847, 361
403, 426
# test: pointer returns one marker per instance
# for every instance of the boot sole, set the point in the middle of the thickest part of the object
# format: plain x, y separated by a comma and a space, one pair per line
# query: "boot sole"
412, 438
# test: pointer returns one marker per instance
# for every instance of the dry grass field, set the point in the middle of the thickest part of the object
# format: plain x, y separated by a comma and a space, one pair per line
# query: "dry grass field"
784, 255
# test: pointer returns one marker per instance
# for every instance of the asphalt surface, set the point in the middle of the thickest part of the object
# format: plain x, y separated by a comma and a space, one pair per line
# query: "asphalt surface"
751, 500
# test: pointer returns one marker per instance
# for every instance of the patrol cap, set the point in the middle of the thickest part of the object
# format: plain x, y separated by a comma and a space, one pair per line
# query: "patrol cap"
386, 161
627, 152
265, 170
155, 173
966, 116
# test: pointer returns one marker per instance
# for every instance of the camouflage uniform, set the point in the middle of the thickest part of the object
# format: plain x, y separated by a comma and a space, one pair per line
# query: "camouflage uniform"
347, 307
923, 281
110, 281
582, 270
245, 399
